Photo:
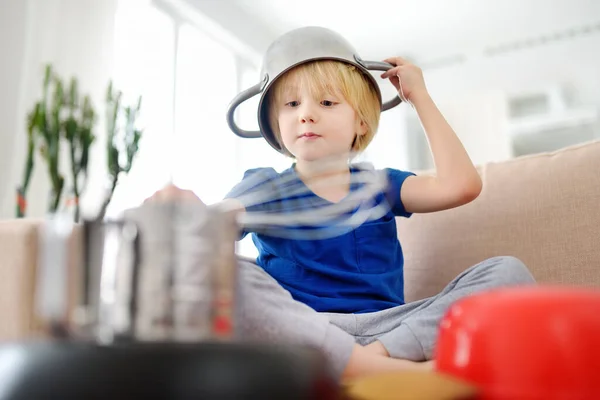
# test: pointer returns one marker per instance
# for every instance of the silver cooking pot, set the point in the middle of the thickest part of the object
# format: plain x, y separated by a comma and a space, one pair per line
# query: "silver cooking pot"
154, 316
161, 272
290, 50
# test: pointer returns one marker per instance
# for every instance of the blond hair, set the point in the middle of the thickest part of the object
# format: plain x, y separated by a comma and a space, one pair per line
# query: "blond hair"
326, 76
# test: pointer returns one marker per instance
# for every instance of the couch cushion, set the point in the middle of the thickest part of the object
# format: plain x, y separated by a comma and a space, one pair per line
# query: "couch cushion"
543, 209
19, 256
17, 277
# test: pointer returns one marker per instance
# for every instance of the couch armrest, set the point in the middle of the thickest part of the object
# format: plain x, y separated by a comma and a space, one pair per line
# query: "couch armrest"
18, 261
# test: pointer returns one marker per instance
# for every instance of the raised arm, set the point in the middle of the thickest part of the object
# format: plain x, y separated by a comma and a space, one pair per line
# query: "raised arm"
456, 181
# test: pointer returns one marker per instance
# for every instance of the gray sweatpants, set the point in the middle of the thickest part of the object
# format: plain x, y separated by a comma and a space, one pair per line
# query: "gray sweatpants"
269, 313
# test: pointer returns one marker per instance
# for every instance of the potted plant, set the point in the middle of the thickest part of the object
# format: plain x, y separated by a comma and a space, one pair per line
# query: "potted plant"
65, 117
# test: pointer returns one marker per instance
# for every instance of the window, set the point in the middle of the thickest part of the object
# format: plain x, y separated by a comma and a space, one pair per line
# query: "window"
204, 147
187, 79
253, 153
143, 65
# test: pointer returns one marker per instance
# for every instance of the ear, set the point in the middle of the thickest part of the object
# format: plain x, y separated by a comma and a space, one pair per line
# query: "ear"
361, 128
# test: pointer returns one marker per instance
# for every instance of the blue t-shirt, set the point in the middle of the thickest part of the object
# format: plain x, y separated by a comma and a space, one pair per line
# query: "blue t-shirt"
353, 269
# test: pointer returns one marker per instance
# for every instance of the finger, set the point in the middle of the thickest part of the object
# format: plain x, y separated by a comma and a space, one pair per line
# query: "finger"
390, 72
165, 194
391, 60
154, 197
396, 61
175, 193
188, 195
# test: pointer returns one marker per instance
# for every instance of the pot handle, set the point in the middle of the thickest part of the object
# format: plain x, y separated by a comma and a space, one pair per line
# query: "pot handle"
239, 99
259, 87
381, 66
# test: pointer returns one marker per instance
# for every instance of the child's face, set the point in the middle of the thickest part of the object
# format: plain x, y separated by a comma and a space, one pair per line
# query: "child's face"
314, 128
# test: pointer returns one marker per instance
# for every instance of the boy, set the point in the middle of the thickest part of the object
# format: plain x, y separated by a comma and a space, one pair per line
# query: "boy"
344, 294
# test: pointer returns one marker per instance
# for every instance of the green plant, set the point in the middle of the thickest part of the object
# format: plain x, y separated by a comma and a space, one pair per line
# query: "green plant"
65, 116
29, 163
78, 131
123, 138
47, 124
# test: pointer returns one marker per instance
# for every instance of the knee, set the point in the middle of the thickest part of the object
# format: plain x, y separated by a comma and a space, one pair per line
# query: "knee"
508, 270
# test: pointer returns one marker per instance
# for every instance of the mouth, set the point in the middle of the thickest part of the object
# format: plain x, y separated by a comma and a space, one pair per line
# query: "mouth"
309, 135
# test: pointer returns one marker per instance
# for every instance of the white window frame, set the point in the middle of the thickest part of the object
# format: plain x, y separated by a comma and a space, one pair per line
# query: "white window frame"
246, 57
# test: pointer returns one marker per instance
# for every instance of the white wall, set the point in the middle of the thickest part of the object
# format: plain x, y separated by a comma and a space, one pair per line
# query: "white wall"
237, 23
12, 40
473, 95
76, 37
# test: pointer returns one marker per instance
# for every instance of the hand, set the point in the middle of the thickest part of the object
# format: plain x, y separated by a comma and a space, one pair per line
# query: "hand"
406, 78
173, 193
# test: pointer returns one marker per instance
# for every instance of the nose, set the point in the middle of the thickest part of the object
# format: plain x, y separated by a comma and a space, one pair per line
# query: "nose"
307, 118
307, 113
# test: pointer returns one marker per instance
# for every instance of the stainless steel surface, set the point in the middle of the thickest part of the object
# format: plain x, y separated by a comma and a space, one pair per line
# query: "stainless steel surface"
292, 49
163, 272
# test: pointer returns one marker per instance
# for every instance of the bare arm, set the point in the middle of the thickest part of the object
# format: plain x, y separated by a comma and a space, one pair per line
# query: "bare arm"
456, 181
232, 205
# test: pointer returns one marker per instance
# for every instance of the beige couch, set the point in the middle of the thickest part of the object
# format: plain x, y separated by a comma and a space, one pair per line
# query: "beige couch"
543, 209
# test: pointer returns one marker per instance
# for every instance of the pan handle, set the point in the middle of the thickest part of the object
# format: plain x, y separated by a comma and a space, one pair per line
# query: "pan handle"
381, 66
239, 99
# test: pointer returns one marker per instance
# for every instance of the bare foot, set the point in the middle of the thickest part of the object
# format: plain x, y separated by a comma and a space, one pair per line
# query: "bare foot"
365, 362
377, 348
427, 365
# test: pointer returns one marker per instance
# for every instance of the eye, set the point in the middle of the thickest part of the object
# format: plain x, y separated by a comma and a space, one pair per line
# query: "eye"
292, 104
327, 103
